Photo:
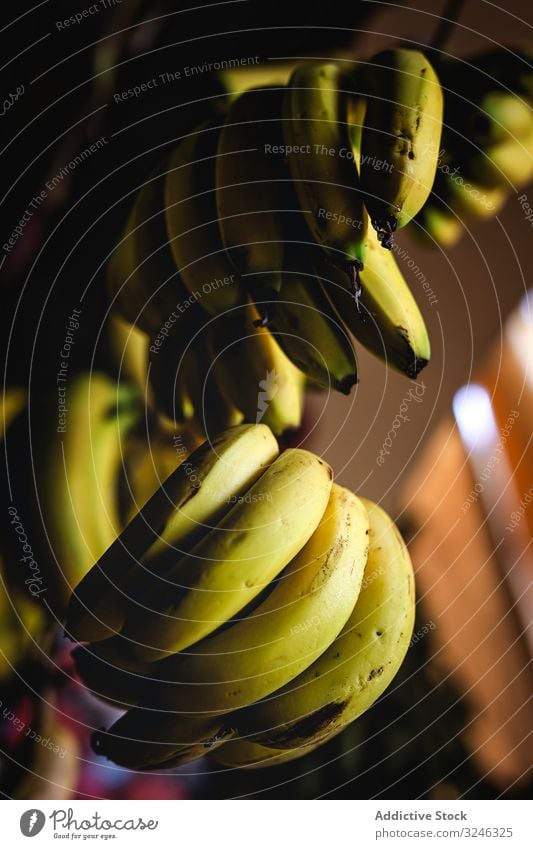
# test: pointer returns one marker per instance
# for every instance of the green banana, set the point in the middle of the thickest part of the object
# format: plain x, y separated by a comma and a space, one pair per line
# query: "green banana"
192, 224
196, 495
307, 608
385, 317
320, 154
358, 666
233, 563
401, 138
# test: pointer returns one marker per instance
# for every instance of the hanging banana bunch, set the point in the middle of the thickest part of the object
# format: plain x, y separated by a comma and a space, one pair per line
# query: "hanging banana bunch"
251, 610
486, 151
257, 249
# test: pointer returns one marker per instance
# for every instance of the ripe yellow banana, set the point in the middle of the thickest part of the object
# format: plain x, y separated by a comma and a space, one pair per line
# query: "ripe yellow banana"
143, 281
128, 352
78, 474
255, 374
308, 329
322, 161
194, 497
236, 81
385, 318
251, 181
359, 665
245, 754
439, 225
506, 164
212, 410
236, 560
192, 223
298, 620
501, 116
401, 137
146, 739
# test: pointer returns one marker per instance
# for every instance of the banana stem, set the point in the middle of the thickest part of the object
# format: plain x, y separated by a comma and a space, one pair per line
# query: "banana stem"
448, 19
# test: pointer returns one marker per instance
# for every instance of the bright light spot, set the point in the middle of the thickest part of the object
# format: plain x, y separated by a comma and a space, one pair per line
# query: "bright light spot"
475, 419
526, 307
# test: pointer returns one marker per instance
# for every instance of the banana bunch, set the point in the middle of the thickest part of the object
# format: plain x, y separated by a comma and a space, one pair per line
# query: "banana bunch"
251, 610
487, 143
221, 262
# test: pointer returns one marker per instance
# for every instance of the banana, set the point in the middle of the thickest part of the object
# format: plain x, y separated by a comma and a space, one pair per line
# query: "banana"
401, 138
142, 279
469, 199
322, 161
307, 608
78, 476
359, 665
308, 329
254, 373
150, 456
385, 317
237, 80
192, 224
104, 671
232, 564
146, 739
192, 499
506, 164
128, 353
212, 411
251, 196
437, 225
501, 116
245, 754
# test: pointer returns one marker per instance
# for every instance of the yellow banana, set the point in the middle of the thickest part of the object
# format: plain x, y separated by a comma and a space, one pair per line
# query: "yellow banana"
143, 281
245, 754
128, 352
507, 164
146, 739
322, 161
309, 330
251, 180
235, 561
501, 116
236, 81
359, 665
439, 225
307, 608
401, 137
192, 499
212, 410
385, 318
470, 199
78, 474
192, 223
255, 374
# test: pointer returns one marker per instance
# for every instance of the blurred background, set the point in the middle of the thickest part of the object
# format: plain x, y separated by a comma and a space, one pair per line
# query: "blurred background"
456, 474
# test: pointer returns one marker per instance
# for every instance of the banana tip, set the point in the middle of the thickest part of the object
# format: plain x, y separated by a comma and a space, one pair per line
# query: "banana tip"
345, 385
416, 367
